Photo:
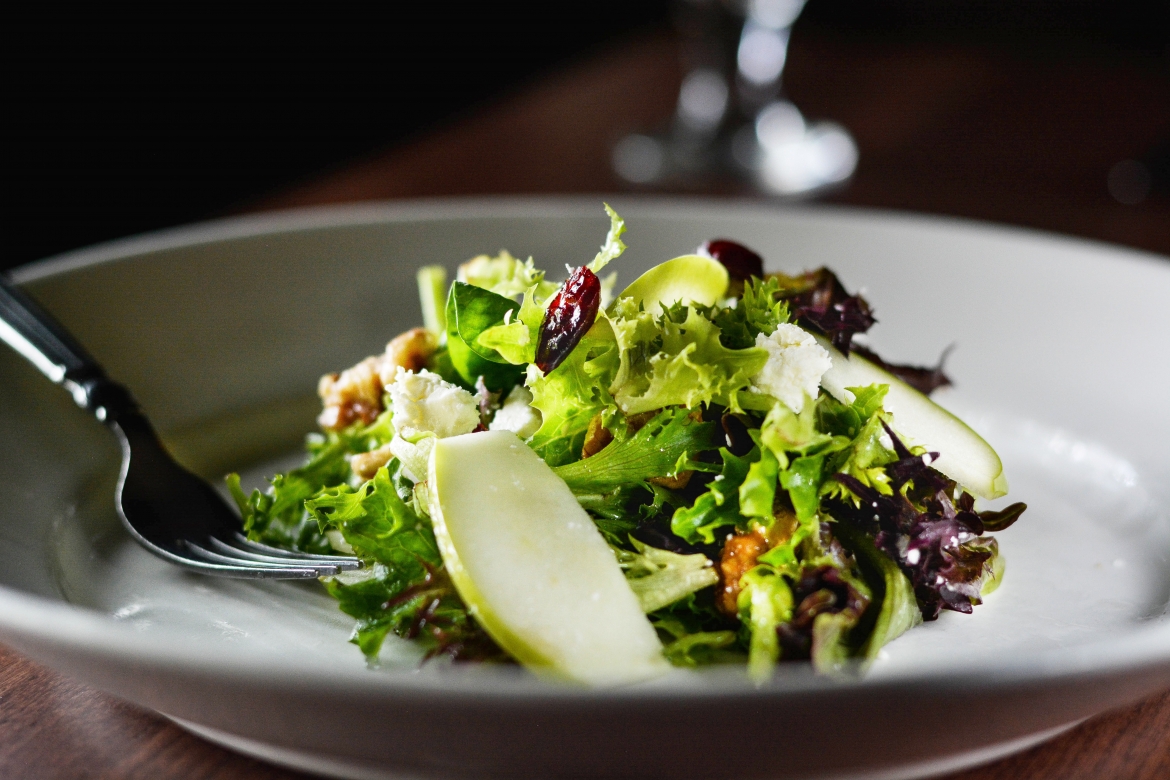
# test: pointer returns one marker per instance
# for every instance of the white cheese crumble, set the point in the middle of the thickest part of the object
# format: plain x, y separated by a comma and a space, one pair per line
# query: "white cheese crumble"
425, 403
517, 414
426, 407
796, 363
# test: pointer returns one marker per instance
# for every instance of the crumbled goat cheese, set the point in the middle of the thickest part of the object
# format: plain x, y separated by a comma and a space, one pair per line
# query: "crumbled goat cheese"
517, 414
795, 365
423, 403
426, 403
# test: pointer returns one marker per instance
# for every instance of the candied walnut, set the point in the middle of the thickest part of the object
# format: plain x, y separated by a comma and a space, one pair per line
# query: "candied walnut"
366, 464
410, 350
739, 554
677, 482
783, 526
596, 438
354, 394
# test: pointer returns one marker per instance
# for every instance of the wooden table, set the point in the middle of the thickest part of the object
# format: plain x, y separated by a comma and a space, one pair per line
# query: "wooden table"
942, 128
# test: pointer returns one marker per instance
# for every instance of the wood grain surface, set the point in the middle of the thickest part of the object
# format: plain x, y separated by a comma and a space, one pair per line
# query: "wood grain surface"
945, 129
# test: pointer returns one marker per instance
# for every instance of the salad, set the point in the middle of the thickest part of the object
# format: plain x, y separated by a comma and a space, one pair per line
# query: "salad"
708, 466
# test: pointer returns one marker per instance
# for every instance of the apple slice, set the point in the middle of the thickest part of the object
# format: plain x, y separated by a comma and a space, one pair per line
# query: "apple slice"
690, 279
532, 567
964, 456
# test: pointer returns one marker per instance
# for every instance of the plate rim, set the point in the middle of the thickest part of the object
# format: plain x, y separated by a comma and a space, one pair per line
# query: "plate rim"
475, 206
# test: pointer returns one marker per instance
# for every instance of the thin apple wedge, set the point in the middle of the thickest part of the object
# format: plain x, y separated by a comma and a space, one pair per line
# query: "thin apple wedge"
532, 567
689, 278
964, 455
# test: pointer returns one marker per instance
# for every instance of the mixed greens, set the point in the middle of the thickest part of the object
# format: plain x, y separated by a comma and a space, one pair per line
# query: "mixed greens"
762, 504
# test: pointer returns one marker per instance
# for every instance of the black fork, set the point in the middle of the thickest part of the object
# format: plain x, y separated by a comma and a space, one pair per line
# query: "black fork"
170, 511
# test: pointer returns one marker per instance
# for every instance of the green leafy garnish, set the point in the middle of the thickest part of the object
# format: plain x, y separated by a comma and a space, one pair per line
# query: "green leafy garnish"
432, 291
569, 395
613, 245
719, 506
655, 450
470, 311
676, 359
757, 311
516, 340
659, 578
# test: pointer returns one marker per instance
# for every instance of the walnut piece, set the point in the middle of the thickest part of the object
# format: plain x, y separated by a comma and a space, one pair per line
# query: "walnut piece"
410, 350
596, 438
366, 464
356, 393
739, 554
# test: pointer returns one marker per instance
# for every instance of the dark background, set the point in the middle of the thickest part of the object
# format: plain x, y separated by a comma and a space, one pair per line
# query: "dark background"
120, 124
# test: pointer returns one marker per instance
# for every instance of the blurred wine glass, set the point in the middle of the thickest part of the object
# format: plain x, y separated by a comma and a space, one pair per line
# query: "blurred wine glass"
731, 116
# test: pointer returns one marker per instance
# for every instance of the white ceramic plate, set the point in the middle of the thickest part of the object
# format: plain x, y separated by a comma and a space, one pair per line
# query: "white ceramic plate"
222, 330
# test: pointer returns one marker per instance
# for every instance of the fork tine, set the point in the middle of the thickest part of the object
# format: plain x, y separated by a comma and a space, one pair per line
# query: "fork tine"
240, 540
341, 564
322, 569
236, 571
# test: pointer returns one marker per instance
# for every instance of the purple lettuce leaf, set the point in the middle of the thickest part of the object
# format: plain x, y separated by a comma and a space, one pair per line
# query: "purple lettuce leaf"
938, 542
820, 590
819, 301
924, 380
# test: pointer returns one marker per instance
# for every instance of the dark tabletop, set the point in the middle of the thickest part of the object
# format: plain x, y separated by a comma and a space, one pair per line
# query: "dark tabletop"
1017, 138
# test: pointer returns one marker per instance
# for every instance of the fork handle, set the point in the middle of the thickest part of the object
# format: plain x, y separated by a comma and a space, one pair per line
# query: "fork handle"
36, 335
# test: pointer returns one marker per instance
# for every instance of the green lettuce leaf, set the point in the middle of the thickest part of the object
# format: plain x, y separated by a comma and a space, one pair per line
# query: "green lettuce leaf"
765, 602
613, 245
676, 359
470, 311
432, 290
277, 516
379, 525
655, 450
569, 395
757, 494
659, 578
616, 513
428, 611
516, 340
996, 567
847, 420
894, 609
695, 633
866, 456
701, 648
757, 311
803, 479
405, 589
783, 431
503, 274
719, 506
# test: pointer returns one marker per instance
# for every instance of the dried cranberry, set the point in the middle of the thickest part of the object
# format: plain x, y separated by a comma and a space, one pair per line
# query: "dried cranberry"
569, 316
741, 263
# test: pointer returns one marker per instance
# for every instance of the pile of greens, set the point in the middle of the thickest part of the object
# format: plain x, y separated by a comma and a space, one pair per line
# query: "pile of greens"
748, 531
